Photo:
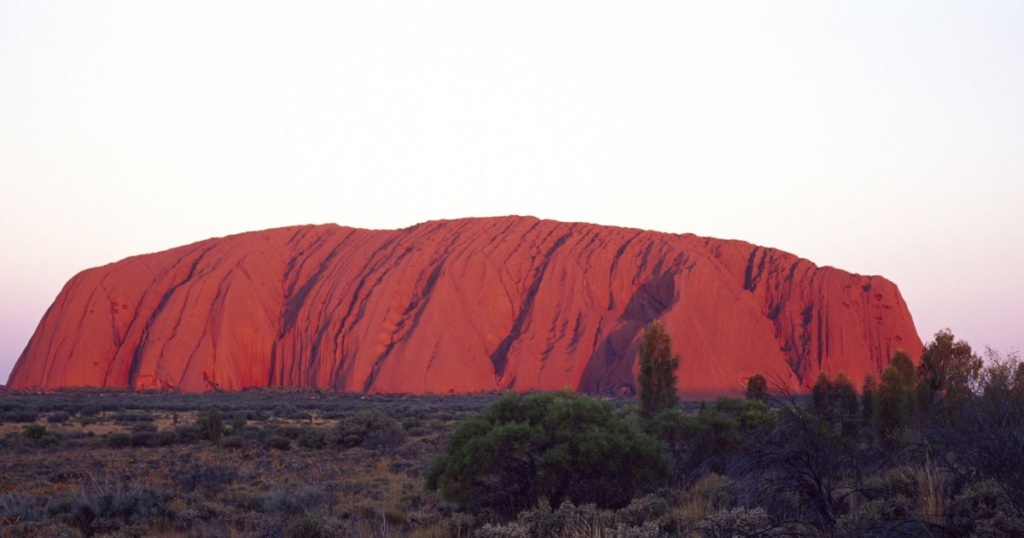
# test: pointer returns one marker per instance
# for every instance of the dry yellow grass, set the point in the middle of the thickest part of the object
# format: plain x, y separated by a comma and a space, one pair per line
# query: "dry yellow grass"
704, 498
929, 485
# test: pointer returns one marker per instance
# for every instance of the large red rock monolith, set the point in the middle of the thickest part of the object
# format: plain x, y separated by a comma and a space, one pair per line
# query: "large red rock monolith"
461, 306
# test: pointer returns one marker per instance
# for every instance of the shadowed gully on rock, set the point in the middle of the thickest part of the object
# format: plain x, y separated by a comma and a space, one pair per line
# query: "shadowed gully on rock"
461, 306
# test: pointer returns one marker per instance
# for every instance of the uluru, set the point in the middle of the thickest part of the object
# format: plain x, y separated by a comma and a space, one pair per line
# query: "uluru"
457, 306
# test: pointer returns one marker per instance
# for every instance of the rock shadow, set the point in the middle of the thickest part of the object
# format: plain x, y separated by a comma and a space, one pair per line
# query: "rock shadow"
652, 299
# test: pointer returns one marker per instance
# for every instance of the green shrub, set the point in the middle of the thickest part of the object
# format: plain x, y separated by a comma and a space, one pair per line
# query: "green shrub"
558, 446
369, 428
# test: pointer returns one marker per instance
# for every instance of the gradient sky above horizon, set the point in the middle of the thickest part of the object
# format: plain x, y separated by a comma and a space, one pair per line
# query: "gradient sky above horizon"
877, 137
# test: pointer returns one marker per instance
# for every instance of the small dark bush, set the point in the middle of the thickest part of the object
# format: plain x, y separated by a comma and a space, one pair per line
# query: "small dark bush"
278, 442
310, 525
313, 438
231, 441
144, 427
205, 478
90, 411
211, 425
21, 415
21, 506
165, 438
985, 509
304, 501
143, 438
265, 433
133, 416
641, 509
188, 434
58, 417
736, 522
105, 509
119, 440
285, 411
51, 439
290, 431
34, 431
11, 440
238, 421
420, 431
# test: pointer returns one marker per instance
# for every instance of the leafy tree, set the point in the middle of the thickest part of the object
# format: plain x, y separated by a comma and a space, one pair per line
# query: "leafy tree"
705, 442
835, 402
556, 446
948, 373
844, 404
757, 388
988, 429
868, 398
894, 408
657, 376
820, 395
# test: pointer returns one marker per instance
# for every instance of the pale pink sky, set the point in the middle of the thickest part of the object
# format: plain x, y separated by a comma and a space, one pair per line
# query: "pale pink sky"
876, 137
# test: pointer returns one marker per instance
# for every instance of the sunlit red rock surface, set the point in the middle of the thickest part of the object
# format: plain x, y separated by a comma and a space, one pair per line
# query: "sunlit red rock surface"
460, 306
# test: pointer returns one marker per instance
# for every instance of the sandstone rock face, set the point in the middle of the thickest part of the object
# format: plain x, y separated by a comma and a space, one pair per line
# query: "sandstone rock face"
461, 306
